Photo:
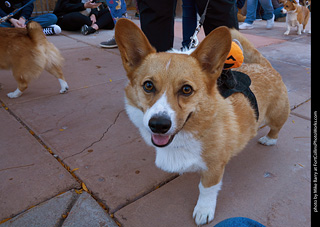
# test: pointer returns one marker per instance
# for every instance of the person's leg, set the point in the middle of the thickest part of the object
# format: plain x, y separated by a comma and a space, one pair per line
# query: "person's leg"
105, 20
239, 222
73, 21
251, 11
157, 20
278, 14
189, 20
45, 20
267, 9
219, 13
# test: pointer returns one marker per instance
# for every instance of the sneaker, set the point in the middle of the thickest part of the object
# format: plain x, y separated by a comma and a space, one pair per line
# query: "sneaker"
111, 43
86, 30
52, 30
245, 26
270, 23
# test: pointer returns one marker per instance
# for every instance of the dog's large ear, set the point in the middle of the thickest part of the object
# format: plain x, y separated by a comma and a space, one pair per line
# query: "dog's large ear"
213, 51
132, 43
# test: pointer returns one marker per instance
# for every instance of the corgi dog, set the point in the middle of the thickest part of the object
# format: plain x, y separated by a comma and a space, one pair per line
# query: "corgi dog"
174, 101
297, 16
27, 52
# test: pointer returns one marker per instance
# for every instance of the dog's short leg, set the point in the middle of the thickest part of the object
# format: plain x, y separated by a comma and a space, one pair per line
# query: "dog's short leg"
57, 72
64, 86
17, 93
203, 212
299, 29
288, 30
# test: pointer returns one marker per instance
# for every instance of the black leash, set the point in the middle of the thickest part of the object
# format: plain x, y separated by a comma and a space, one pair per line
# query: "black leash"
3, 19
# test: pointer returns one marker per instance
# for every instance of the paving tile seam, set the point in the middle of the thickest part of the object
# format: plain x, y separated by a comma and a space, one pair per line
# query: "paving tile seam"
101, 137
147, 192
38, 139
47, 148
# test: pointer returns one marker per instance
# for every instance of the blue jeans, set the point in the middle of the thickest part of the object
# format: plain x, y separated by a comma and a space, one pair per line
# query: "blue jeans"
277, 13
252, 8
189, 20
44, 20
239, 222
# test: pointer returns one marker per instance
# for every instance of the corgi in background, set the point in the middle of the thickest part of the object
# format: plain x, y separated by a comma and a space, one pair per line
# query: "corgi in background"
27, 52
174, 101
297, 16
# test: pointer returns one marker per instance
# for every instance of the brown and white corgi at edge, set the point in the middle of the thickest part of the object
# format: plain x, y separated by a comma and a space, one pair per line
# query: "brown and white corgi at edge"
27, 52
297, 16
174, 101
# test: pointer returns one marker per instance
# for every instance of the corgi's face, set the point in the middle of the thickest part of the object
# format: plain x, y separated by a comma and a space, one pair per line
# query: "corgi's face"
289, 6
169, 88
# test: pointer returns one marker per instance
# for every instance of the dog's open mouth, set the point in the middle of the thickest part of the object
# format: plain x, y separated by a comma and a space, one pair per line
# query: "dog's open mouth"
161, 140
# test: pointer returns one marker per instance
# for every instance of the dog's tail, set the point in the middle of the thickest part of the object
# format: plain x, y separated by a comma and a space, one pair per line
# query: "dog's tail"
35, 32
251, 54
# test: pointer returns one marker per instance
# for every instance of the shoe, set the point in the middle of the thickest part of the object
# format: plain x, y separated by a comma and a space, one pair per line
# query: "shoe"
245, 26
111, 43
270, 23
86, 30
52, 30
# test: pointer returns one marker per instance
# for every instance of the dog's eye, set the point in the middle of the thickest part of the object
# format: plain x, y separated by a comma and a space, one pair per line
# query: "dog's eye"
148, 87
186, 90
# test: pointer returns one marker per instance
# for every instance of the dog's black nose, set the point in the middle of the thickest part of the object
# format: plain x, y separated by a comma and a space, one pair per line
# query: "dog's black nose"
160, 124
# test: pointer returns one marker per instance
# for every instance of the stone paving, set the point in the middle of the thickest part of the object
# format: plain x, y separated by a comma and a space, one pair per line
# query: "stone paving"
77, 160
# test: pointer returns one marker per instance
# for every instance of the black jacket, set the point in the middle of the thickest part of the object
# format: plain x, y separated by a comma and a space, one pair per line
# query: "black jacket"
8, 6
67, 6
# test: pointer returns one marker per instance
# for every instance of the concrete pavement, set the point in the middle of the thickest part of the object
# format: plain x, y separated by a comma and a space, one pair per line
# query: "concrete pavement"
75, 159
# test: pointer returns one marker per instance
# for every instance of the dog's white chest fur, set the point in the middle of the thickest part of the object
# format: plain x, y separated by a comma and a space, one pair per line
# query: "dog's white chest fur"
182, 155
292, 19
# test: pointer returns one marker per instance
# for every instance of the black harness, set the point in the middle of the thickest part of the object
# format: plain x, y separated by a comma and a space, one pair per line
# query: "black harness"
233, 81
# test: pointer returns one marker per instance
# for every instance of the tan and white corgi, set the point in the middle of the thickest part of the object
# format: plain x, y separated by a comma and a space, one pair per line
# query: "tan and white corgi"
297, 16
27, 52
174, 101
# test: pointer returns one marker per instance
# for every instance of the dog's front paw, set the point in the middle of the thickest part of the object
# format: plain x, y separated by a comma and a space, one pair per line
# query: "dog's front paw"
286, 33
17, 93
64, 90
203, 214
64, 86
267, 141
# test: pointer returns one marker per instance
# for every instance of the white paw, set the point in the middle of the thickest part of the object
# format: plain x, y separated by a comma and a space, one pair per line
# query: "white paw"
286, 33
267, 141
64, 90
203, 214
64, 86
14, 94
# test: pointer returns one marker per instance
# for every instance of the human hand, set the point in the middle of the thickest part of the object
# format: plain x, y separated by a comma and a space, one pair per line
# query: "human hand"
18, 23
93, 19
91, 5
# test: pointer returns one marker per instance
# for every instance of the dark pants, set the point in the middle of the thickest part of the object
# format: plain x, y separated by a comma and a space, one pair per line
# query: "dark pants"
75, 20
157, 19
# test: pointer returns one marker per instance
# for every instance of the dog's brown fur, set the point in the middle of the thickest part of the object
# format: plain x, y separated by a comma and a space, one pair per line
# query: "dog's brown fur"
223, 126
27, 53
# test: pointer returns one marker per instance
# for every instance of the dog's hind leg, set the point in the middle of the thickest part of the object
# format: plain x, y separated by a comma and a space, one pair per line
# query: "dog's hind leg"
275, 120
57, 72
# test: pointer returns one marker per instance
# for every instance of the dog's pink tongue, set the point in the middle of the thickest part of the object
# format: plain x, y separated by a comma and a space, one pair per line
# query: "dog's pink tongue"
160, 140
